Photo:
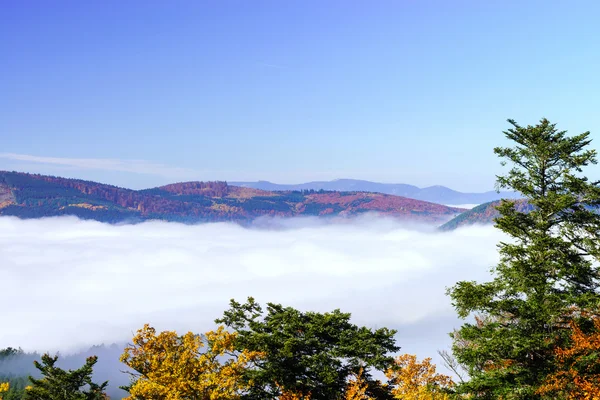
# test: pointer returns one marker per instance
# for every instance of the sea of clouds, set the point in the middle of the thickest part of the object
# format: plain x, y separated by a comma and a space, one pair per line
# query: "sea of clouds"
67, 284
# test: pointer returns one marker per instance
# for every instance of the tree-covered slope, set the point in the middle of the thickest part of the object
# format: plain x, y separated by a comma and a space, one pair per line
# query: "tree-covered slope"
482, 214
35, 196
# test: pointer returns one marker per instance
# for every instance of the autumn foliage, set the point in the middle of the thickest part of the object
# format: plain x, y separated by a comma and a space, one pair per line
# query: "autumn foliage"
33, 196
172, 367
418, 380
578, 375
278, 354
356, 389
3, 388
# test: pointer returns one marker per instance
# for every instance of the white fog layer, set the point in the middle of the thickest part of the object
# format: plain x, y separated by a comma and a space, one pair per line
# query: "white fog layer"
467, 206
68, 284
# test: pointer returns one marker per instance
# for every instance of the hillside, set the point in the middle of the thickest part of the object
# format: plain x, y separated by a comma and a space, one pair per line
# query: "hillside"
35, 196
482, 214
435, 194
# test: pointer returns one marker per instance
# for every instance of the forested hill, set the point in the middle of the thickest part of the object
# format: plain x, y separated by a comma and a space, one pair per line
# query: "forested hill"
35, 196
483, 214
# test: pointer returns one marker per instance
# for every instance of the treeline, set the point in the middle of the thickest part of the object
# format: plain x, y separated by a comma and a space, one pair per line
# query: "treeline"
16, 365
210, 189
483, 213
272, 353
36, 196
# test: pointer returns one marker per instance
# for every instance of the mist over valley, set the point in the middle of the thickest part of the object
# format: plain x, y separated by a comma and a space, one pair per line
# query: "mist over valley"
88, 283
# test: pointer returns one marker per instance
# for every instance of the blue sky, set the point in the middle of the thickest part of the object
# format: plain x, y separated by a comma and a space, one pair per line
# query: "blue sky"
141, 93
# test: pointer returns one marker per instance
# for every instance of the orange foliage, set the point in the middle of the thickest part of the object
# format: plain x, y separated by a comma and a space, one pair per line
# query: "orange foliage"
356, 390
578, 376
286, 395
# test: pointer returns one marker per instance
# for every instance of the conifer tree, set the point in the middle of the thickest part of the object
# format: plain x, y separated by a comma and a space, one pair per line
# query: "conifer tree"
58, 384
308, 354
548, 271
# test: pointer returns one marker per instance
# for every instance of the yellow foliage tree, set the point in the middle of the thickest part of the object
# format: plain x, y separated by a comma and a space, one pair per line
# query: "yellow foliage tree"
4, 388
357, 388
416, 380
172, 367
578, 375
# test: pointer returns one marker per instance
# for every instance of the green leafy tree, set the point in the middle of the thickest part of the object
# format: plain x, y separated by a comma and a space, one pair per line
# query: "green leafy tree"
58, 384
309, 354
547, 274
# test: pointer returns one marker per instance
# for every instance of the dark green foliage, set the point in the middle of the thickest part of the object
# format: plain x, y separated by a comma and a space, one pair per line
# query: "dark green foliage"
15, 373
157, 192
463, 218
58, 384
308, 352
290, 197
265, 205
318, 208
546, 273
17, 383
109, 216
17, 387
10, 352
253, 204
33, 187
191, 198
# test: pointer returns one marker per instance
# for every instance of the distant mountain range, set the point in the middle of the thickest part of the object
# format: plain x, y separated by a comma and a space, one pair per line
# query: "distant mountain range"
34, 196
434, 194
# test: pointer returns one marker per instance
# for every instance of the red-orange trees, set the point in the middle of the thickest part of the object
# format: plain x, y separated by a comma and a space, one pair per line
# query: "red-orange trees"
578, 374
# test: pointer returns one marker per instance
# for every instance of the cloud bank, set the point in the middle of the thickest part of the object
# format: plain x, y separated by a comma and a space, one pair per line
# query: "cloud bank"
68, 284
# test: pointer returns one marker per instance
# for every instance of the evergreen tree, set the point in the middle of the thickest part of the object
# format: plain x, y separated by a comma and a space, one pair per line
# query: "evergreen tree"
312, 355
58, 384
547, 274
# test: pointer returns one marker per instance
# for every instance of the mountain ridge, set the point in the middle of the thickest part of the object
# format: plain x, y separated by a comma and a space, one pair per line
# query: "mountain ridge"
437, 193
34, 196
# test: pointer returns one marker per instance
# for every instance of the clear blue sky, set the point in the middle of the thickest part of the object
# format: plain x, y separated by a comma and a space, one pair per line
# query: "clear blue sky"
141, 93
